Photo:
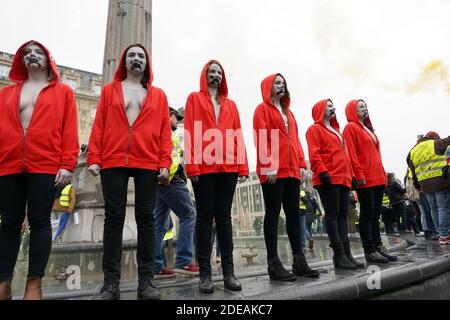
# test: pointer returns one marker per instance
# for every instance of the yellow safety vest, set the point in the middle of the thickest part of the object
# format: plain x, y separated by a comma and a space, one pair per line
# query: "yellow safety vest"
64, 200
176, 155
410, 174
426, 162
386, 200
302, 205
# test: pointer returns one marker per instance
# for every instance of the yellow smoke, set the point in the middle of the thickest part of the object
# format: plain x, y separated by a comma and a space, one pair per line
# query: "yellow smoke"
433, 75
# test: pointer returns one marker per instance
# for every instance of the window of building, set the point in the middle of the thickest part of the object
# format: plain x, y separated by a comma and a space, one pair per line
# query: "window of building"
97, 90
71, 83
4, 71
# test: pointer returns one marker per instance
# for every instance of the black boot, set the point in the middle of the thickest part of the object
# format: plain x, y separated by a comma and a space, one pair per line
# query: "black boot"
301, 268
278, 272
232, 283
148, 291
340, 260
109, 291
206, 284
348, 253
383, 251
376, 257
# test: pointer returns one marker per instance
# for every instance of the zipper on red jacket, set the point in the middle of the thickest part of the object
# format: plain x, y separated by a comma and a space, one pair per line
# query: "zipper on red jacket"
130, 132
24, 147
24, 133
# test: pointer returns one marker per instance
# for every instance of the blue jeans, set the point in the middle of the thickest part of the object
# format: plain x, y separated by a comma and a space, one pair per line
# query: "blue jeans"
304, 234
177, 198
425, 217
440, 210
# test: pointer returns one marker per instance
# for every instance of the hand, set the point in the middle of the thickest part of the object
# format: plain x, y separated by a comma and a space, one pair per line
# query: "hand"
361, 182
242, 179
325, 178
163, 177
94, 170
354, 183
272, 178
194, 179
302, 175
63, 178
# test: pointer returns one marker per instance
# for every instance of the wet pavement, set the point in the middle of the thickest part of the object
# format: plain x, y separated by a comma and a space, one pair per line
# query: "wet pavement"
76, 274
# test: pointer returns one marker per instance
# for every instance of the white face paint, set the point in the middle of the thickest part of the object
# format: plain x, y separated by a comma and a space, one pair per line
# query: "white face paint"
136, 60
278, 88
34, 58
363, 113
215, 76
330, 111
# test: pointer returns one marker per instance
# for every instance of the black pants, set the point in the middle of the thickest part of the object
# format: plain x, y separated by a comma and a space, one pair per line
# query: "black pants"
335, 200
214, 195
387, 216
400, 215
287, 192
19, 194
115, 188
411, 223
370, 200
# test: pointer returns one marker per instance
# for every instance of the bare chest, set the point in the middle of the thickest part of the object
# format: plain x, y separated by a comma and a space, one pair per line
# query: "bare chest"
28, 98
133, 99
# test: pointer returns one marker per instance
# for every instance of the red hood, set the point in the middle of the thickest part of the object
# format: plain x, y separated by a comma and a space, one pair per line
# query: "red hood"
223, 89
352, 114
318, 112
121, 72
266, 89
19, 72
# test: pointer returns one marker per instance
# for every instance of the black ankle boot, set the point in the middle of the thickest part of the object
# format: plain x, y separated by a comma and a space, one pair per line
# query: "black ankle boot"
348, 253
148, 291
206, 284
376, 257
383, 251
340, 260
301, 267
278, 272
109, 291
232, 283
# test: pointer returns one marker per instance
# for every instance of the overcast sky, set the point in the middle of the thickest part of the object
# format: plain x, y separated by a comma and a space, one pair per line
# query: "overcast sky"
393, 54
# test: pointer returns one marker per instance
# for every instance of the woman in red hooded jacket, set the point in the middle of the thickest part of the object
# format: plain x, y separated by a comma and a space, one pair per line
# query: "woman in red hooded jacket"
38, 151
281, 168
214, 168
365, 155
131, 137
332, 177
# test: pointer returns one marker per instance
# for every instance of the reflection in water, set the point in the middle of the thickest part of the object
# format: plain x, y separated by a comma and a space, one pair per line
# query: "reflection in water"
65, 265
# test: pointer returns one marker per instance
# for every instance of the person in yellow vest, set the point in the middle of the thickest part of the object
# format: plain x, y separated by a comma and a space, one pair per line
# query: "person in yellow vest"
427, 161
63, 206
176, 197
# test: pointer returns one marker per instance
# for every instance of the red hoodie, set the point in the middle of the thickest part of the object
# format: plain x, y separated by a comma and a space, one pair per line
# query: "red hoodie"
365, 155
326, 151
290, 153
216, 148
145, 145
51, 142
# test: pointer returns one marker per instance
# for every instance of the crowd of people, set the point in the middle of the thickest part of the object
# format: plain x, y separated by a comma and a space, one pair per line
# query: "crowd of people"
133, 136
